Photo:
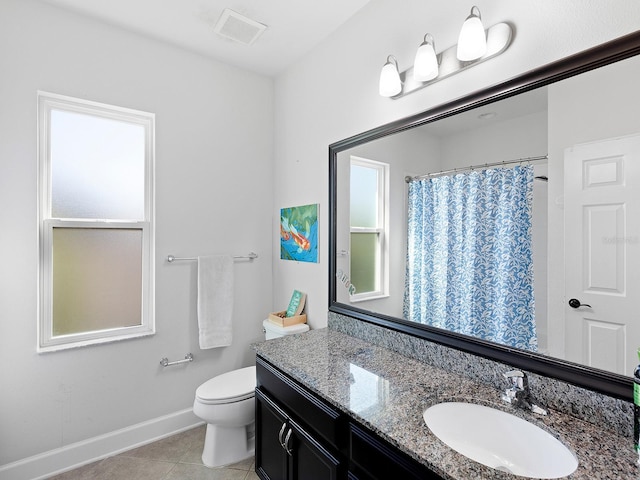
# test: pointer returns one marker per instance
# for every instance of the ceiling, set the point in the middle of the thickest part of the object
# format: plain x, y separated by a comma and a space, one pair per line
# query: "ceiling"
293, 27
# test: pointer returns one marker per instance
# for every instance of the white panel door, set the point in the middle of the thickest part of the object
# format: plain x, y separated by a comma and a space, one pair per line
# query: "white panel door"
602, 253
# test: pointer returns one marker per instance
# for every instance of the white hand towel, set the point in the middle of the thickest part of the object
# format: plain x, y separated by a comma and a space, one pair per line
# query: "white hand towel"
215, 300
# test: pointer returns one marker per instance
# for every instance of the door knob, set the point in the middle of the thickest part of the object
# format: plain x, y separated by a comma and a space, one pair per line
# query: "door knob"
575, 303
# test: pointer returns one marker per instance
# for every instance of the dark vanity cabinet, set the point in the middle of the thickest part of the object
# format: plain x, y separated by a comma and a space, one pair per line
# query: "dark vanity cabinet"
299, 436
286, 450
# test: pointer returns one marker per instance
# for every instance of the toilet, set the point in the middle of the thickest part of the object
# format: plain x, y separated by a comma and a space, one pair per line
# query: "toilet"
271, 330
226, 403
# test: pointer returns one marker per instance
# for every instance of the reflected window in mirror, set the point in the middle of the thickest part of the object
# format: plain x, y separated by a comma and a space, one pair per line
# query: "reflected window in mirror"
368, 213
368, 392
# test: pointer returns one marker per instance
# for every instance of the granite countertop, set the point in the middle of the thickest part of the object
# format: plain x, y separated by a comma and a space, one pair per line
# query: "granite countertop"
388, 392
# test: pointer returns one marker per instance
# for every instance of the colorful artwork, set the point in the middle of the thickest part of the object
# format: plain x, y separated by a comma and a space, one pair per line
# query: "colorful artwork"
299, 233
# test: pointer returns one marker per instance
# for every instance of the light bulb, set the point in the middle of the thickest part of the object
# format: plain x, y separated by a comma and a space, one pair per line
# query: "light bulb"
472, 42
425, 66
390, 84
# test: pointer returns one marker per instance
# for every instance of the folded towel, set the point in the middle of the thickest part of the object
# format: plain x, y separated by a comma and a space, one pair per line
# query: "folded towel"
215, 300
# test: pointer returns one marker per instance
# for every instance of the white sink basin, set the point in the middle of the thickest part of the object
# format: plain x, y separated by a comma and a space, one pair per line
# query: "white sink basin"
500, 440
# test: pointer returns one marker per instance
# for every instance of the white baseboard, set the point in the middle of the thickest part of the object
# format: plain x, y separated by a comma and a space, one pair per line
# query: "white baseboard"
81, 453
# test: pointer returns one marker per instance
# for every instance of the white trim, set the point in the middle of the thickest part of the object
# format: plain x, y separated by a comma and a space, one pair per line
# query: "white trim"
72, 456
382, 230
368, 296
46, 342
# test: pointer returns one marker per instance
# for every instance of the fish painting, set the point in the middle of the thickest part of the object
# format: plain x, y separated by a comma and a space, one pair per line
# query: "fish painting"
299, 233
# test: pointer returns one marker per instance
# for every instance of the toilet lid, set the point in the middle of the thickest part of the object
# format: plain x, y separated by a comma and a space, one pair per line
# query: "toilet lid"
229, 387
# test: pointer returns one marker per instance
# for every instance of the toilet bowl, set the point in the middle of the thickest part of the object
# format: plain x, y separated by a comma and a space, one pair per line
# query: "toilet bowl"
226, 403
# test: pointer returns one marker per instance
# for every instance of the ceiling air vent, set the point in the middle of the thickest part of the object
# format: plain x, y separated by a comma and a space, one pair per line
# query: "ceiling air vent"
238, 28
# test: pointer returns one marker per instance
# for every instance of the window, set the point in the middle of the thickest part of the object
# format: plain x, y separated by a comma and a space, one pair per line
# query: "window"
369, 238
96, 232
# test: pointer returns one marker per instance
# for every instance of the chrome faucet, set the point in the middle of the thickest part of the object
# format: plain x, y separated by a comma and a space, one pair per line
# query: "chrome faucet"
518, 394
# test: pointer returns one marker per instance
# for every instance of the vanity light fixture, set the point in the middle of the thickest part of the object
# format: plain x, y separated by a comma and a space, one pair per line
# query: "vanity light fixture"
472, 42
475, 45
425, 65
390, 83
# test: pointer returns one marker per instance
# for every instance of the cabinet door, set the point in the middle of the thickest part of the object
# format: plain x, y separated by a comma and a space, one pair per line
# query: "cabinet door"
271, 425
374, 459
308, 459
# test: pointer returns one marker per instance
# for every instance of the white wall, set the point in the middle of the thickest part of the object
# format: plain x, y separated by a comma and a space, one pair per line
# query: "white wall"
332, 93
214, 145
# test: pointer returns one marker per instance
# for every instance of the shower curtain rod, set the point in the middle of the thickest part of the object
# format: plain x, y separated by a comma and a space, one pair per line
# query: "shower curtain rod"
409, 178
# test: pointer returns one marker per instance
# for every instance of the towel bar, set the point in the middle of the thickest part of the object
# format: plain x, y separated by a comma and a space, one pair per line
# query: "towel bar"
172, 258
166, 363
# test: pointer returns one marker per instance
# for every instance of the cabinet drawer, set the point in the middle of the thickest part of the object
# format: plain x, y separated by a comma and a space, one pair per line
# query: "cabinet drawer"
372, 458
301, 404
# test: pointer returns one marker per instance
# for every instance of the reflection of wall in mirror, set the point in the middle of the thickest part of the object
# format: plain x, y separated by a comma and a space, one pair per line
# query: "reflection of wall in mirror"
597, 105
406, 154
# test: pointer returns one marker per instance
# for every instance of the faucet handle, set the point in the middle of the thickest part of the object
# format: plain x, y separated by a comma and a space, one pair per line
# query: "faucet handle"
518, 394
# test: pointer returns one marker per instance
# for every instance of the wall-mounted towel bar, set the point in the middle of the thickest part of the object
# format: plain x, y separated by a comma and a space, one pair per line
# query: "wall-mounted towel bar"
166, 363
249, 256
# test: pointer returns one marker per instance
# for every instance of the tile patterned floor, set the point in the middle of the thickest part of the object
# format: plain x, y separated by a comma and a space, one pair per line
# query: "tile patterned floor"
173, 458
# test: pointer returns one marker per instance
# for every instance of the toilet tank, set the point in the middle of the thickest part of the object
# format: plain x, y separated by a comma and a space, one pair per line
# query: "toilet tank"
272, 330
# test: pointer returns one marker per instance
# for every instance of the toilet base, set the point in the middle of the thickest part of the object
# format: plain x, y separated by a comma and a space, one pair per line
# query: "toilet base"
227, 445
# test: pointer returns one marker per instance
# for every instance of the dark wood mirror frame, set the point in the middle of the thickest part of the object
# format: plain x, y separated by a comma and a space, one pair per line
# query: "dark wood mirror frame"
615, 385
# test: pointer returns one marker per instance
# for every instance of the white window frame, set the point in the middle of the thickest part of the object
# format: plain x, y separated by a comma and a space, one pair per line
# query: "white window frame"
382, 230
47, 342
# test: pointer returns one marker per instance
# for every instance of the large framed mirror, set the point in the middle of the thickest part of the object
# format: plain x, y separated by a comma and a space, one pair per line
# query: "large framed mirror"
505, 223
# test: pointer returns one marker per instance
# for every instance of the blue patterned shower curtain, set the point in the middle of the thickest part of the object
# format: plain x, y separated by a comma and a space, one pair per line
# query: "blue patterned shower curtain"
469, 259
